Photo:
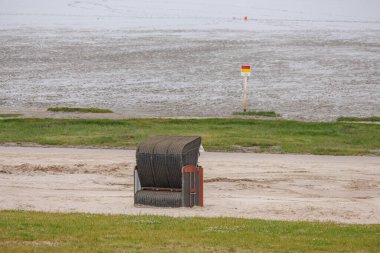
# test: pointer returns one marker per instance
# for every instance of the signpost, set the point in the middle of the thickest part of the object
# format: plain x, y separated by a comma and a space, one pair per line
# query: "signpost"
246, 73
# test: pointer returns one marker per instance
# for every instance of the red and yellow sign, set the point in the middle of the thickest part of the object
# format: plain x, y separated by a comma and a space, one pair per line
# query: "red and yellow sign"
245, 70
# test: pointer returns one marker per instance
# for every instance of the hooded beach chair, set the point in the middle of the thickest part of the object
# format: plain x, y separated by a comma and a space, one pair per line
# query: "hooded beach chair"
167, 172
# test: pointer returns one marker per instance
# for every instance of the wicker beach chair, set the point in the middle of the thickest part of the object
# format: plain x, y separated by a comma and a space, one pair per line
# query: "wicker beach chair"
167, 172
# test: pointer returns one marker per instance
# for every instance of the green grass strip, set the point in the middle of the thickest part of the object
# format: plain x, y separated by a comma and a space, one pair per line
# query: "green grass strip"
85, 110
369, 119
51, 232
274, 136
9, 115
258, 113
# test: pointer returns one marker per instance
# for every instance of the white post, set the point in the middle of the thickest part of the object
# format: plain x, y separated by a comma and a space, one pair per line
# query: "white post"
245, 72
245, 93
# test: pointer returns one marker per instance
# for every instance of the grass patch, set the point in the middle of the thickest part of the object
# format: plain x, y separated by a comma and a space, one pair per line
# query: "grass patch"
368, 119
51, 232
258, 113
276, 136
85, 110
9, 115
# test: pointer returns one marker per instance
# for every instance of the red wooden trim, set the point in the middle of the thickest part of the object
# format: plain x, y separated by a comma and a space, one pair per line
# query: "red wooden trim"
200, 169
194, 169
189, 169
245, 67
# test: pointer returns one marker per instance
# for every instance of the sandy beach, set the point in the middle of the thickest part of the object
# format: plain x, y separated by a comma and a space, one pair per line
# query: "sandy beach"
342, 189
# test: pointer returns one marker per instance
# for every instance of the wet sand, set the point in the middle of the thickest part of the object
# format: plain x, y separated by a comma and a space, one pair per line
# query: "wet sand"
317, 74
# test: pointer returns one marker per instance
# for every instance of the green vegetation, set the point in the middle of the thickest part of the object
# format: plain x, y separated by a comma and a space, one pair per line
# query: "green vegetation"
51, 232
86, 110
9, 115
370, 119
258, 113
276, 136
